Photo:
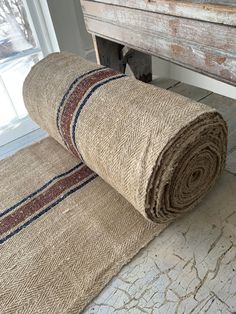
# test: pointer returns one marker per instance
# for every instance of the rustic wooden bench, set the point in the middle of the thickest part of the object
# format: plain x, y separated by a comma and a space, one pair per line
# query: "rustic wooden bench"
196, 34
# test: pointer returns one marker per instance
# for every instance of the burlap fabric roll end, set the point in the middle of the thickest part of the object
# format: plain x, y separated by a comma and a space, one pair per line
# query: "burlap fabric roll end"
159, 150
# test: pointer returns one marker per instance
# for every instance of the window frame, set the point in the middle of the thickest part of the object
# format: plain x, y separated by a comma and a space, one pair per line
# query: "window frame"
44, 33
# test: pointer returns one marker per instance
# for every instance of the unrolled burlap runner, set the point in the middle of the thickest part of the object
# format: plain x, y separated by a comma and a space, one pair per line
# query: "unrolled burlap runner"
67, 226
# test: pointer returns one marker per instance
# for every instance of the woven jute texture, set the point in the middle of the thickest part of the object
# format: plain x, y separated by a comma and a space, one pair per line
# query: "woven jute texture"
56, 257
123, 160
159, 150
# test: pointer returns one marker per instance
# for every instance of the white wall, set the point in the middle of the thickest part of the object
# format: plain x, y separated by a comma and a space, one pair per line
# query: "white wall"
160, 68
69, 26
167, 69
190, 77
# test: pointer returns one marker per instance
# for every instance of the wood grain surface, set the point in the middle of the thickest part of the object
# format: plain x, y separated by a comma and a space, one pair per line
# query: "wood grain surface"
204, 46
218, 11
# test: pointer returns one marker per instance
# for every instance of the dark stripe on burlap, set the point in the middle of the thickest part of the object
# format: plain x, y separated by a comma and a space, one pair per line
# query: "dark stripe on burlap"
30, 196
51, 195
72, 85
73, 102
80, 108
45, 210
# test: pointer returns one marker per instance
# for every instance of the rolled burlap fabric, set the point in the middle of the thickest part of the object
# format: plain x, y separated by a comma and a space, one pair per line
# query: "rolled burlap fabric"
159, 150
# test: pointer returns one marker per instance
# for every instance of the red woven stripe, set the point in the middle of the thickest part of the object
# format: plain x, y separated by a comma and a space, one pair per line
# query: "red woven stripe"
73, 101
44, 198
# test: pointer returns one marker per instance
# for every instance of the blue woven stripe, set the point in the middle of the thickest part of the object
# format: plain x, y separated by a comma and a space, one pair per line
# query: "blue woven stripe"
45, 210
69, 90
85, 101
6, 211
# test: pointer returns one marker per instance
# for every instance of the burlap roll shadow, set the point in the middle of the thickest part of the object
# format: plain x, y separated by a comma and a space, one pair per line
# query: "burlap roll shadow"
161, 151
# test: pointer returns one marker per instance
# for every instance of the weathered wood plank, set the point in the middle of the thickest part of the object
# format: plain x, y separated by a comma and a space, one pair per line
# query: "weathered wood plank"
212, 35
140, 64
227, 107
204, 47
222, 12
165, 83
231, 161
190, 91
108, 53
116, 56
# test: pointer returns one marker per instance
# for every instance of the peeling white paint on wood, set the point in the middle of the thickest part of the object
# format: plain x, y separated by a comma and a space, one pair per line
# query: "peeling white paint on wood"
204, 46
189, 268
216, 11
